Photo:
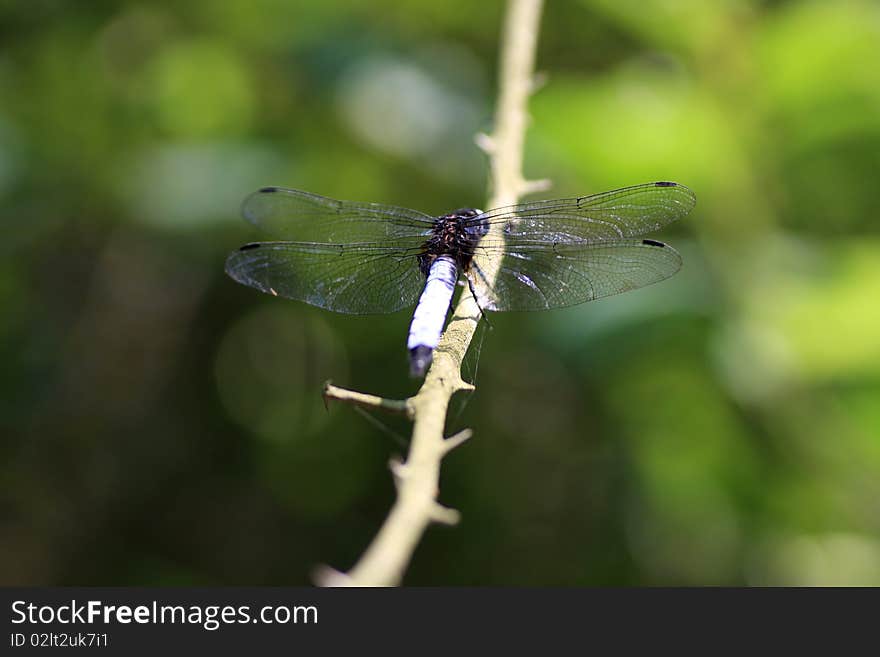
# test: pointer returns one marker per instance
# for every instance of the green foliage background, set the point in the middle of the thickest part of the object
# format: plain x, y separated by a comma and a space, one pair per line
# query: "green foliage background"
161, 424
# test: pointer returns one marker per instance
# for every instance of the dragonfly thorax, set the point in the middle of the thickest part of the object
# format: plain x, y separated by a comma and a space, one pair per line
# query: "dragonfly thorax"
455, 235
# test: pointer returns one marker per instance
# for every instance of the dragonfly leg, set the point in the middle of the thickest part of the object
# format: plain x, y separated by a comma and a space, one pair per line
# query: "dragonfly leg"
477, 299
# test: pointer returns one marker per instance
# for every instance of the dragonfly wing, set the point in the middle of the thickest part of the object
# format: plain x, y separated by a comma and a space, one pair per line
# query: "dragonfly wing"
541, 277
354, 279
622, 213
304, 217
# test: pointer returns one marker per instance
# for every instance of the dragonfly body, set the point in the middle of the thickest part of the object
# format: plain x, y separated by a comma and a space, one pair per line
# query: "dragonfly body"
447, 253
430, 314
362, 258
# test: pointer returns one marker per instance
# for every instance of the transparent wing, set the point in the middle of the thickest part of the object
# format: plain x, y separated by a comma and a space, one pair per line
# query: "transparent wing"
303, 217
352, 279
622, 213
540, 277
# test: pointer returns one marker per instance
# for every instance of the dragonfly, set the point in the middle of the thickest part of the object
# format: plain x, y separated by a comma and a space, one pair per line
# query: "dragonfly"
367, 258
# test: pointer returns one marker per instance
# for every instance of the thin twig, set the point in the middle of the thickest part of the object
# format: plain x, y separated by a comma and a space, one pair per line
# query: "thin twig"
417, 479
364, 400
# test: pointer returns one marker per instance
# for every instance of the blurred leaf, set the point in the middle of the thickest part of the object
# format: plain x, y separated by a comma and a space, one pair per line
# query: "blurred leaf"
201, 89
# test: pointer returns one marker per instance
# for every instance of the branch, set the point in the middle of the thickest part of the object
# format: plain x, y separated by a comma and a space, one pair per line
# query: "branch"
417, 479
332, 392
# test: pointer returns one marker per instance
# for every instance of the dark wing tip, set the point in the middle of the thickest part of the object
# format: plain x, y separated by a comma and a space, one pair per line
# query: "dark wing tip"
648, 242
691, 198
268, 190
252, 245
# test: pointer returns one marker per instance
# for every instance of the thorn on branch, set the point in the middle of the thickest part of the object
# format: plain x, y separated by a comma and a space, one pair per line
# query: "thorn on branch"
457, 439
539, 79
443, 515
485, 143
539, 185
532, 186
329, 577
456, 383
398, 470
465, 386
